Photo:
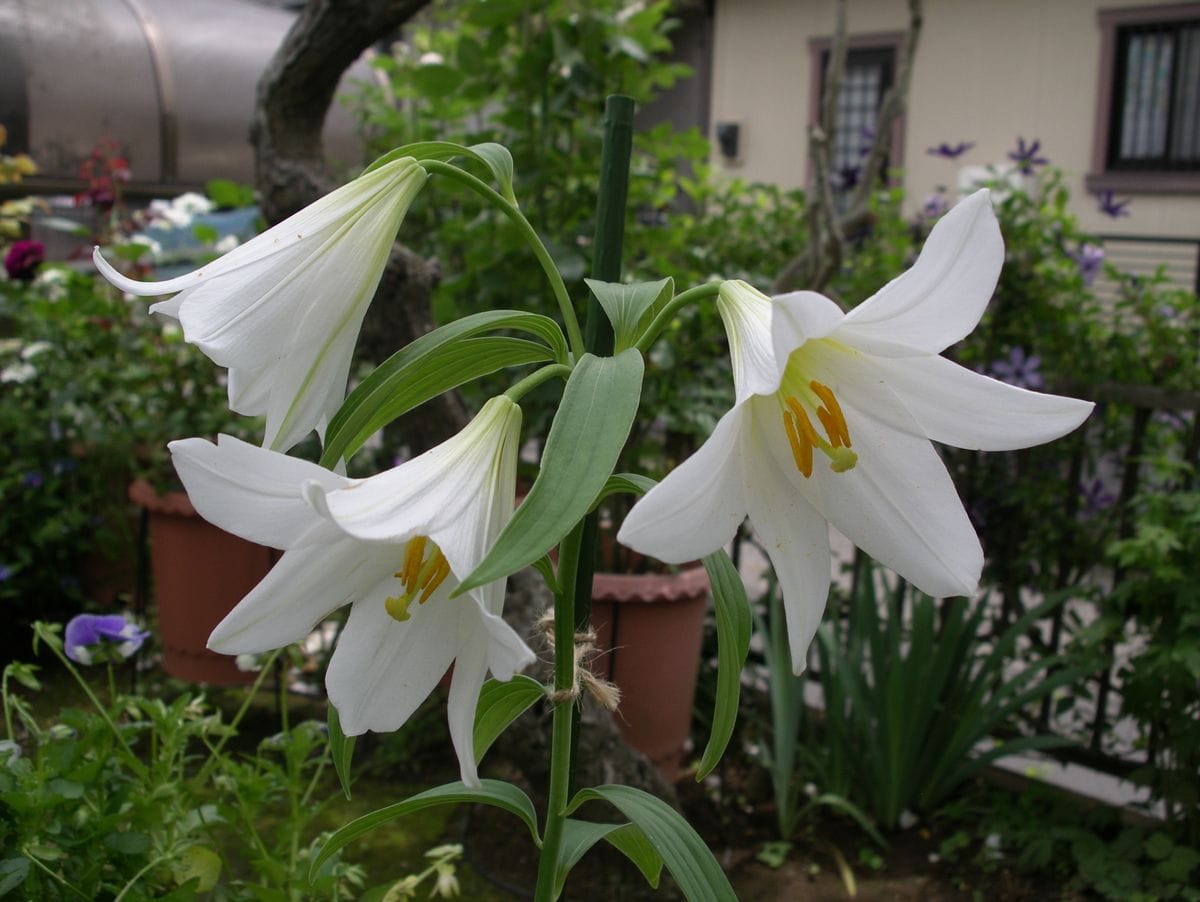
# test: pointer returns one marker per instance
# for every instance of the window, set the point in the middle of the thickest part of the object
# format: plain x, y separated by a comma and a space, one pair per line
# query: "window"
870, 71
1148, 128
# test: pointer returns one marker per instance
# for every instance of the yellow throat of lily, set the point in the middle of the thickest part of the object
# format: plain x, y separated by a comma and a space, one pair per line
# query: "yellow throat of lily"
424, 569
803, 436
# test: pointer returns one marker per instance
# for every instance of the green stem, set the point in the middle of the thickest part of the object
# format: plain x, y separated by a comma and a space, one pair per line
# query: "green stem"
130, 758
574, 335
681, 300
564, 709
161, 859
33, 860
215, 752
536, 378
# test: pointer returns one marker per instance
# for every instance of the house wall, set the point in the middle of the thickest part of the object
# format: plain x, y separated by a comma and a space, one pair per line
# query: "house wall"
985, 71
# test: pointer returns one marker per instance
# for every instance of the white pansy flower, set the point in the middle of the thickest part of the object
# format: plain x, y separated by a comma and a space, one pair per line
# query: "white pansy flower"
832, 423
283, 310
393, 547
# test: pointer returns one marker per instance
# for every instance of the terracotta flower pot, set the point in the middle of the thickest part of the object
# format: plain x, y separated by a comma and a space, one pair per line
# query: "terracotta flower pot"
650, 628
200, 572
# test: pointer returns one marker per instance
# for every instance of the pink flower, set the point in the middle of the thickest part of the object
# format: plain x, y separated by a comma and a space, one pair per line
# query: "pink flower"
23, 258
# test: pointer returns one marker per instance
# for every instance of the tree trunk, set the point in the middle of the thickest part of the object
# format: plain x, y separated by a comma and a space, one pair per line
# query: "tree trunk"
294, 95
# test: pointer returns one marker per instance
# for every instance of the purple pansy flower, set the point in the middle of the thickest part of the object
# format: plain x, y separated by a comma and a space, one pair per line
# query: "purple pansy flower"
86, 631
1026, 157
1110, 206
32, 480
23, 259
1089, 257
950, 151
1019, 370
6, 573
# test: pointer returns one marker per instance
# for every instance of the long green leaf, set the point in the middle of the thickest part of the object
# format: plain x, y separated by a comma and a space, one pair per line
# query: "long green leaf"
434, 363
494, 156
499, 705
624, 483
628, 307
579, 836
733, 644
683, 851
593, 420
633, 844
491, 792
341, 749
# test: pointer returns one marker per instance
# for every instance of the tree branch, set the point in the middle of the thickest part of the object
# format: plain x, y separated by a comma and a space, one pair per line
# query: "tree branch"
820, 261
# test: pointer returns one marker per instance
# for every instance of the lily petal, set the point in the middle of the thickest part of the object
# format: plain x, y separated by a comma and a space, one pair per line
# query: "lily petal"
796, 538
249, 491
801, 317
307, 584
958, 407
382, 669
698, 507
898, 504
941, 298
746, 313
470, 669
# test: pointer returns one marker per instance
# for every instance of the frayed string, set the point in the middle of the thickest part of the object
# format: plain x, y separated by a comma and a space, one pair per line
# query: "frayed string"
606, 694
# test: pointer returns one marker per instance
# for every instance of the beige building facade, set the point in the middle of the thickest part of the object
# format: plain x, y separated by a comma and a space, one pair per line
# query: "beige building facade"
986, 72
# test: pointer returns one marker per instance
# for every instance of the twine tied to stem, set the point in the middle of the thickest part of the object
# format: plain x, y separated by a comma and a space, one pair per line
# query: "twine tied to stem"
606, 694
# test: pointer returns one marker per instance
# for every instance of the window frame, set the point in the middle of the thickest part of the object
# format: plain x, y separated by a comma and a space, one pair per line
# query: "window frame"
1136, 181
818, 48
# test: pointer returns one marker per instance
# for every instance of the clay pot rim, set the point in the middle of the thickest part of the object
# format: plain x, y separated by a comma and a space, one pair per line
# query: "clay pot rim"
686, 585
172, 504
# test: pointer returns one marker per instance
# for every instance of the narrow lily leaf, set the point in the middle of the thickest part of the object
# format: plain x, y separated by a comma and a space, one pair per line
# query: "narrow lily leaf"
499, 705
491, 792
624, 483
579, 836
628, 306
733, 644
341, 749
593, 420
634, 845
683, 851
494, 156
497, 158
424, 369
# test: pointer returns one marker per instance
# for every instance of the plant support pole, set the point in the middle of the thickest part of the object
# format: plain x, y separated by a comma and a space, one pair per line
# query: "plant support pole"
608, 243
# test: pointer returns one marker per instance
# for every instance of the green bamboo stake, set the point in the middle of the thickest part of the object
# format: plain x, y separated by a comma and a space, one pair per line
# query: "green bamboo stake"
608, 243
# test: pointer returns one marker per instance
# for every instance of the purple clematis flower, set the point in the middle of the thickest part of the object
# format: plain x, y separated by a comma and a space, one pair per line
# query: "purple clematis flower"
23, 259
950, 151
1026, 156
934, 205
1096, 497
1110, 206
87, 631
1019, 370
6, 573
1090, 257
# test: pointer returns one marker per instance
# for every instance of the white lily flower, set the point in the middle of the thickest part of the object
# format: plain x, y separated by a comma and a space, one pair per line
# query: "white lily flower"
283, 310
868, 391
419, 528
